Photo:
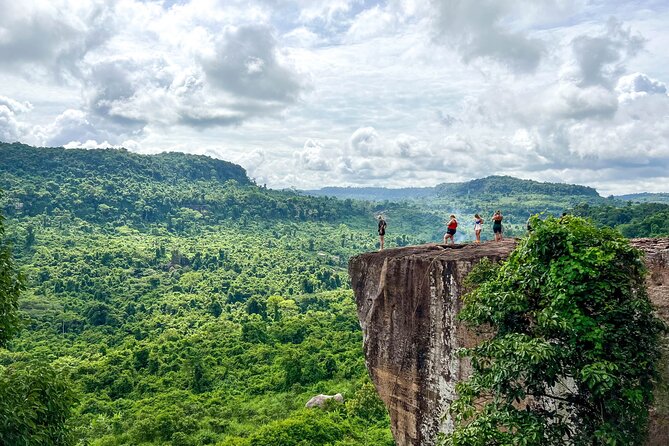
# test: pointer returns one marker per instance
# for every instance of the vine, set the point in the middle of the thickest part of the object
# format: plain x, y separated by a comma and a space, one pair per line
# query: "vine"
574, 346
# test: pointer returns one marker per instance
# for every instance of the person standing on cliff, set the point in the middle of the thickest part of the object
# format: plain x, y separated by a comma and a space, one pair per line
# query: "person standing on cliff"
451, 230
497, 225
478, 227
382, 231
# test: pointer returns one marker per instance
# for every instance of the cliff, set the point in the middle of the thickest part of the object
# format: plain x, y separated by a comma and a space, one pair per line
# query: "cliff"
408, 300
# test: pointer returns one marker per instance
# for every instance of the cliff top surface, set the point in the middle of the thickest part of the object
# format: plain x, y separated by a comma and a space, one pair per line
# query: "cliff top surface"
459, 251
471, 251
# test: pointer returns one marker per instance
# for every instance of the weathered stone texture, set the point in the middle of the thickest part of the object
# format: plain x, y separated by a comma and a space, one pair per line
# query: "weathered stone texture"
408, 300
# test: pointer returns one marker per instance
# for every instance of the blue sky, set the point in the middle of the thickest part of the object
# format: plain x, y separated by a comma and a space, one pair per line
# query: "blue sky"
344, 92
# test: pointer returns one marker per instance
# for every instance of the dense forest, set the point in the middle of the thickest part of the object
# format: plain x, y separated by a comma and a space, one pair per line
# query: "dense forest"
180, 303
112, 187
631, 219
191, 310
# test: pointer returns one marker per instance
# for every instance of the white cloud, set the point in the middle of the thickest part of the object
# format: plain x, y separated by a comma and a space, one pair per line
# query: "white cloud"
600, 59
636, 85
307, 94
15, 106
246, 63
51, 37
314, 157
480, 30
11, 128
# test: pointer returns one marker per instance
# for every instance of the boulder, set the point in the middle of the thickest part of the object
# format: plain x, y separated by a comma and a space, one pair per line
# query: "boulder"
320, 400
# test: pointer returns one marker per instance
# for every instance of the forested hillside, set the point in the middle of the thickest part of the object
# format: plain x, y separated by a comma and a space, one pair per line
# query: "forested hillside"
373, 193
645, 197
492, 186
185, 305
173, 190
632, 220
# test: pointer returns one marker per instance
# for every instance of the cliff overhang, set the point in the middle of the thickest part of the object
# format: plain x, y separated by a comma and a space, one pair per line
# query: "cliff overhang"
408, 300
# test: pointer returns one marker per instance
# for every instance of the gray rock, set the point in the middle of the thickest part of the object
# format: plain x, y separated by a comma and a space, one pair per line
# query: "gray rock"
320, 400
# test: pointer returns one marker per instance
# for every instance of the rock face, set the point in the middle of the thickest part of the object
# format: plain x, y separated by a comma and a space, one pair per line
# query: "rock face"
408, 300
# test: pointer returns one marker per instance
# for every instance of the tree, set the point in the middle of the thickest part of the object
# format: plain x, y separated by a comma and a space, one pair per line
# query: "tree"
35, 402
574, 345
11, 285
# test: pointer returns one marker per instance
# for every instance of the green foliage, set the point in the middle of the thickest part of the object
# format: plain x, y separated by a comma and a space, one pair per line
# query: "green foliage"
35, 404
632, 220
646, 197
505, 185
306, 428
574, 345
10, 288
176, 191
366, 403
189, 307
518, 199
494, 185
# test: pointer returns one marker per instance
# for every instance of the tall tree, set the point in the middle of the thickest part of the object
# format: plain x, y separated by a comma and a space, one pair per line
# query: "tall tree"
10, 288
35, 401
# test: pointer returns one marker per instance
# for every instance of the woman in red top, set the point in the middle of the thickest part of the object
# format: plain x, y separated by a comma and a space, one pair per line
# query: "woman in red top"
451, 229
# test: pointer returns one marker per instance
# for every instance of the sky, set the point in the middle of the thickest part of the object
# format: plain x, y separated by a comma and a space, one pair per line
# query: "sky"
307, 94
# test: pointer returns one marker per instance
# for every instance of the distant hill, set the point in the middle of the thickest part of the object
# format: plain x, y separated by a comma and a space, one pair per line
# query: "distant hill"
118, 186
26, 161
646, 197
173, 189
505, 185
490, 186
373, 193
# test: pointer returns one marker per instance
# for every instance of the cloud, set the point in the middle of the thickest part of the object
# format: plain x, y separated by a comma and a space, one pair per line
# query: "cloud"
246, 63
394, 93
74, 127
601, 59
328, 12
15, 106
636, 85
572, 102
139, 64
314, 157
479, 30
11, 128
51, 37
237, 77
366, 142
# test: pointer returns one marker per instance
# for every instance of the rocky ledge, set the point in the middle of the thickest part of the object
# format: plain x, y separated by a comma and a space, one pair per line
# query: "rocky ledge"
408, 300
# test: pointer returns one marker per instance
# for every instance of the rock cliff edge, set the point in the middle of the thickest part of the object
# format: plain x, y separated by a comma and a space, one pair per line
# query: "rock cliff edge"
408, 300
